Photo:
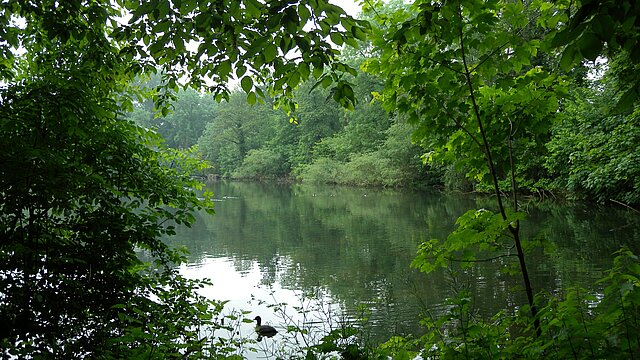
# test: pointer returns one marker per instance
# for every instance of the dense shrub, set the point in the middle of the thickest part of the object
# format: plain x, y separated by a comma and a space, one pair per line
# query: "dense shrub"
372, 169
321, 170
596, 156
262, 164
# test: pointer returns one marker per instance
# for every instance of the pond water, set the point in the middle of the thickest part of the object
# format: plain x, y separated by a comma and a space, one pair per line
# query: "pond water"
350, 249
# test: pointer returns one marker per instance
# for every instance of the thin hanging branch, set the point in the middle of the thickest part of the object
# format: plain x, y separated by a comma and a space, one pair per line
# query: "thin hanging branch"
512, 164
459, 125
481, 260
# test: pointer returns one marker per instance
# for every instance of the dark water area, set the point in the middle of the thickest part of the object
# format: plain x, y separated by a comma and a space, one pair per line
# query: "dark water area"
273, 242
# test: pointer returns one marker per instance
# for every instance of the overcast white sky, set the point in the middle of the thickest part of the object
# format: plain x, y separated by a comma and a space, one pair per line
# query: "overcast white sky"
349, 6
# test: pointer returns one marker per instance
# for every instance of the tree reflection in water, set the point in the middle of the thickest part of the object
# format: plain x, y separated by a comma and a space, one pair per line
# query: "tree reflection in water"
286, 239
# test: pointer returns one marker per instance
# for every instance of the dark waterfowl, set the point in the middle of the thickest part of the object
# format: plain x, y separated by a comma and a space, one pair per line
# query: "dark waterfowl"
264, 330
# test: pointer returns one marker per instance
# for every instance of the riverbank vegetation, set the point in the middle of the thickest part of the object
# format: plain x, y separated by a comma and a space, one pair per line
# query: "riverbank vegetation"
571, 124
502, 97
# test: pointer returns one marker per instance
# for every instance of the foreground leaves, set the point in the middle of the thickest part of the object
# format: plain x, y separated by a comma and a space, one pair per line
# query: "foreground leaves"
84, 193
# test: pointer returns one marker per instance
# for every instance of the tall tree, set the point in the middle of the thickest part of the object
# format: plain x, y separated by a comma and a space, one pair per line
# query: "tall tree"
184, 124
191, 113
319, 117
461, 71
236, 129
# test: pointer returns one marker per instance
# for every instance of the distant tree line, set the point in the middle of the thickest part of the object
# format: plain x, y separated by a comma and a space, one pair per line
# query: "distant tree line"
325, 143
585, 151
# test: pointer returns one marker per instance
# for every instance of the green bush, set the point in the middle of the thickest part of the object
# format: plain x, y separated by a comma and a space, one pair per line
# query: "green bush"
260, 164
321, 170
372, 169
597, 156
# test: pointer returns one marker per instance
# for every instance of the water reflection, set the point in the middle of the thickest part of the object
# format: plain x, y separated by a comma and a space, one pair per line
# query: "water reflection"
272, 242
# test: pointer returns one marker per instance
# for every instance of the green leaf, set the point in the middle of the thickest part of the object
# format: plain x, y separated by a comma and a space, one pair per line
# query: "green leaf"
303, 68
358, 33
317, 72
161, 27
224, 69
253, 8
241, 70
143, 9
251, 98
347, 90
247, 84
326, 82
590, 45
157, 47
336, 38
304, 13
270, 53
570, 57
626, 101
294, 79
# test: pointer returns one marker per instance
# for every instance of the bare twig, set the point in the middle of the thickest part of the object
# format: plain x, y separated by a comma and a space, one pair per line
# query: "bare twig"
482, 260
625, 205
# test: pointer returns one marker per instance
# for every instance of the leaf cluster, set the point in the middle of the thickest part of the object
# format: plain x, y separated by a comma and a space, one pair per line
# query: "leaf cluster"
603, 29
462, 71
82, 191
270, 47
478, 233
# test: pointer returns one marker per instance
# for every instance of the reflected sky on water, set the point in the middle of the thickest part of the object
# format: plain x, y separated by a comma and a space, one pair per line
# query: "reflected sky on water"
280, 243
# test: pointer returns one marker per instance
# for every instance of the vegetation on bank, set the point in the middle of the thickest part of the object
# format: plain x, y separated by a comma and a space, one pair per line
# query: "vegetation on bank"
496, 91
579, 146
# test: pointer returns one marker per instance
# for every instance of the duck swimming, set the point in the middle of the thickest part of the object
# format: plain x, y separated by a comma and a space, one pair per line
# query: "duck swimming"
264, 330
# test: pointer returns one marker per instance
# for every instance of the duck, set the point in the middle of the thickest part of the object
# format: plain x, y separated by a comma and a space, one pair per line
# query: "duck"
264, 330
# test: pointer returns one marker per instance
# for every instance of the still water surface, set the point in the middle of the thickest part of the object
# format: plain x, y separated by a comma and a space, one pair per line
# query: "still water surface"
350, 247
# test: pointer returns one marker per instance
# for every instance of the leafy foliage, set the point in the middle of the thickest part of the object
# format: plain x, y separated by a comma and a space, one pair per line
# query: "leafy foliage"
478, 232
245, 39
593, 152
394, 163
72, 221
261, 164
439, 44
604, 28
577, 324
321, 170
364, 147
234, 130
184, 125
84, 192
